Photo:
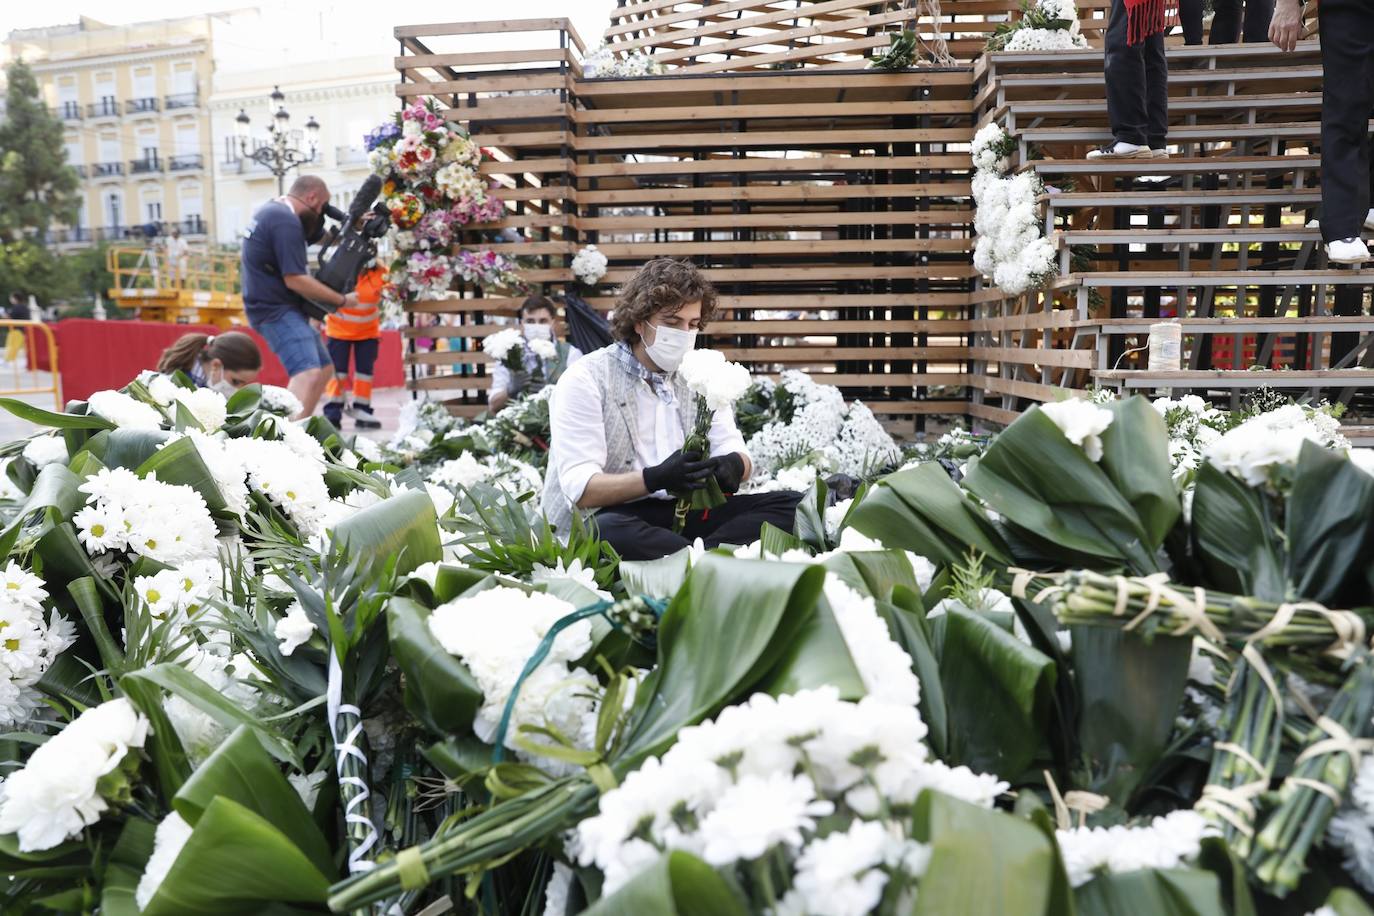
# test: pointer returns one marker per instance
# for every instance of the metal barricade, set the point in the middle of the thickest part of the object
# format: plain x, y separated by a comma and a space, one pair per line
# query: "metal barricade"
20, 337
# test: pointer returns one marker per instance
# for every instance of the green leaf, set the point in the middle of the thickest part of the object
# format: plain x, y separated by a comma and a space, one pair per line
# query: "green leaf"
164, 746
234, 860
1347, 902
775, 542
661, 578
906, 622
817, 656
810, 518
180, 463
999, 692
1330, 527
982, 861
1040, 481
128, 858
679, 884
403, 526
439, 689
923, 511
130, 448
1135, 457
240, 769
1233, 534
41, 417
55, 488
873, 572
756, 608
178, 680
1128, 696
1159, 892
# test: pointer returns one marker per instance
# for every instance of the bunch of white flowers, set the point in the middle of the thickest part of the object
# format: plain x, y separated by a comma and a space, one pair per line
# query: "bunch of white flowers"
42, 451
714, 379
1193, 424
280, 401
589, 265
602, 63
31, 643
1031, 39
1171, 841
544, 349
1082, 423
199, 732
228, 471
58, 791
495, 632
505, 347
209, 408
1011, 250
991, 149
171, 835
759, 778
822, 436
458, 181
169, 523
1351, 831
294, 484
1265, 443
124, 411
467, 470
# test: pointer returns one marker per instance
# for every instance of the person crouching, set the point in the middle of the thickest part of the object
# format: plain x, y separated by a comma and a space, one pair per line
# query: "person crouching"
618, 419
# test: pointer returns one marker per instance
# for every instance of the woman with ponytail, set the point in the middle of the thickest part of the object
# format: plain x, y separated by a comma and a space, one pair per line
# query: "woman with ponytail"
223, 362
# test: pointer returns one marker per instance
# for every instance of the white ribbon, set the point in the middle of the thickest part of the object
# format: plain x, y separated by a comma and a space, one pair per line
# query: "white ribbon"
348, 747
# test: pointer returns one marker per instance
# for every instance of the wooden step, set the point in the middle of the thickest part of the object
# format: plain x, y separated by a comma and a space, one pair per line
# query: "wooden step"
1254, 197
1177, 79
1204, 133
1231, 105
1172, 279
1238, 378
1174, 165
1234, 234
1312, 324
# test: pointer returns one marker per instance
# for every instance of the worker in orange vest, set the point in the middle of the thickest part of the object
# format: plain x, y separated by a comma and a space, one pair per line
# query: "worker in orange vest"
355, 330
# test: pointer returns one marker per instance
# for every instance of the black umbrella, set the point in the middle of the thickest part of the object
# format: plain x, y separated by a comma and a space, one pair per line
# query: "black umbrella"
587, 328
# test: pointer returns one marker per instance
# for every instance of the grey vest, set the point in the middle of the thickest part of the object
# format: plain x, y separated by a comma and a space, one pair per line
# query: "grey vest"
621, 422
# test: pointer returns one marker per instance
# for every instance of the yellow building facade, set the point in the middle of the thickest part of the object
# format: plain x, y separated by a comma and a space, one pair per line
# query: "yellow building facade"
134, 101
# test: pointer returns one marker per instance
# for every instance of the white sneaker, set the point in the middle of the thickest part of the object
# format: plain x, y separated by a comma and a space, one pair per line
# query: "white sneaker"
1121, 150
1159, 153
1347, 251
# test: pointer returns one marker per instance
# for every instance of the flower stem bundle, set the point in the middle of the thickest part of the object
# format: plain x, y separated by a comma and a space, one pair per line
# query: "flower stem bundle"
1321, 775
1150, 604
698, 440
1243, 762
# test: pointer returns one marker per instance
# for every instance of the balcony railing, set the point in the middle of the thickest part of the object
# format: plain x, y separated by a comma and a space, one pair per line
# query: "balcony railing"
145, 166
106, 169
141, 106
350, 155
68, 111
184, 162
191, 225
182, 100
79, 169
105, 108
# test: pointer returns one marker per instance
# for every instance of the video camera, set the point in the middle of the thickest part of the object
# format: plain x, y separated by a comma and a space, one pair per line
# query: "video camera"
354, 241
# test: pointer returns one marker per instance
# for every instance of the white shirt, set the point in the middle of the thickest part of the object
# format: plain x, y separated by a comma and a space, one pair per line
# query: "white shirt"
577, 447
500, 375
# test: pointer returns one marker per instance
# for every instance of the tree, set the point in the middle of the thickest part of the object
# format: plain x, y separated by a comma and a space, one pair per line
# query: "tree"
37, 186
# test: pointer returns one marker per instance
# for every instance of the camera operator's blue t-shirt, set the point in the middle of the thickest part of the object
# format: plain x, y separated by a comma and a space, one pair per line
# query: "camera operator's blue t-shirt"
274, 248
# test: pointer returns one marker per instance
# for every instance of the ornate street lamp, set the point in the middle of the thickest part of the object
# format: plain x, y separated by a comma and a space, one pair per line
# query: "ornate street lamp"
277, 154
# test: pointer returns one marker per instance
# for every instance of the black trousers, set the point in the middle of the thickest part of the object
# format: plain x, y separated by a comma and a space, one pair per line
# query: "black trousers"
643, 530
1137, 84
1190, 17
364, 353
1347, 41
1226, 24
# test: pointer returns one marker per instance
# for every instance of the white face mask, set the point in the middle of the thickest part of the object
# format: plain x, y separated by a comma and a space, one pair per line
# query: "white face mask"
538, 332
223, 387
669, 347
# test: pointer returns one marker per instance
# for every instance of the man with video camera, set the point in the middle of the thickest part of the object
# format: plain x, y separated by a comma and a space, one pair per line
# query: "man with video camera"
276, 281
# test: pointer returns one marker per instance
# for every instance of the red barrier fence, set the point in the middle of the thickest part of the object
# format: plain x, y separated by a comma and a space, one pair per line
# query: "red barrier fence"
95, 355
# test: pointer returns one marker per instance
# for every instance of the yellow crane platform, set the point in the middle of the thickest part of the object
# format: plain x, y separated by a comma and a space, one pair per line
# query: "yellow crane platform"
195, 288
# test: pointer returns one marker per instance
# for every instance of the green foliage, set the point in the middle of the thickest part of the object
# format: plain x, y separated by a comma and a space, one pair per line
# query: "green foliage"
37, 186
680, 884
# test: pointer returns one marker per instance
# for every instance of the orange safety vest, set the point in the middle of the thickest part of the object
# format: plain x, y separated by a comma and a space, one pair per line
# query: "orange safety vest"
361, 322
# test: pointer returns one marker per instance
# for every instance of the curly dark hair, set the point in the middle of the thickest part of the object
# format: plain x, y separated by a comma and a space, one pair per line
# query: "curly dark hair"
661, 285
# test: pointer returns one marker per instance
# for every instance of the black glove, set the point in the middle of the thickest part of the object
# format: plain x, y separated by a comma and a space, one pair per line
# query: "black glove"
681, 473
535, 385
729, 472
519, 381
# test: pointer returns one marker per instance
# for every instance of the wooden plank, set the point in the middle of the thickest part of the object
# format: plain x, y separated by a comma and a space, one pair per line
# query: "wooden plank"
754, 112
992, 414
995, 384
1035, 356
957, 161
480, 28
678, 249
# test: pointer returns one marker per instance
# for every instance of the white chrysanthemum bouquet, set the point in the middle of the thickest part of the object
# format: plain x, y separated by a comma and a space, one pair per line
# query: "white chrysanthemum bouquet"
717, 384
507, 347
1045, 25
1011, 249
589, 266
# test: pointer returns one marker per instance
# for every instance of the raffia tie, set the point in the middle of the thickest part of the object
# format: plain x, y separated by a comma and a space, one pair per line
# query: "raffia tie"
1339, 742
1234, 804
1022, 579
1192, 609
1084, 803
1347, 625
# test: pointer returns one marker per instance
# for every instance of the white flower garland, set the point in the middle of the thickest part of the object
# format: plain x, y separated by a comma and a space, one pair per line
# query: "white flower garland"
1010, 249
589, 265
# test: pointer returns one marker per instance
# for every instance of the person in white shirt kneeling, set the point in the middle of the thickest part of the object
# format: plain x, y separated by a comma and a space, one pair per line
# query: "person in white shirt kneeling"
619, 419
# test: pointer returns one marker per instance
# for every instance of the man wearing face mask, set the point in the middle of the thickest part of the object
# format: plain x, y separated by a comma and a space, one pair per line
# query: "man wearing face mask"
618, 422
537, 320
275, 279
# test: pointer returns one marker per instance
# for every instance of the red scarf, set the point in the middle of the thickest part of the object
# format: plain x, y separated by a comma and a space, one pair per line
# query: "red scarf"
1145, 18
